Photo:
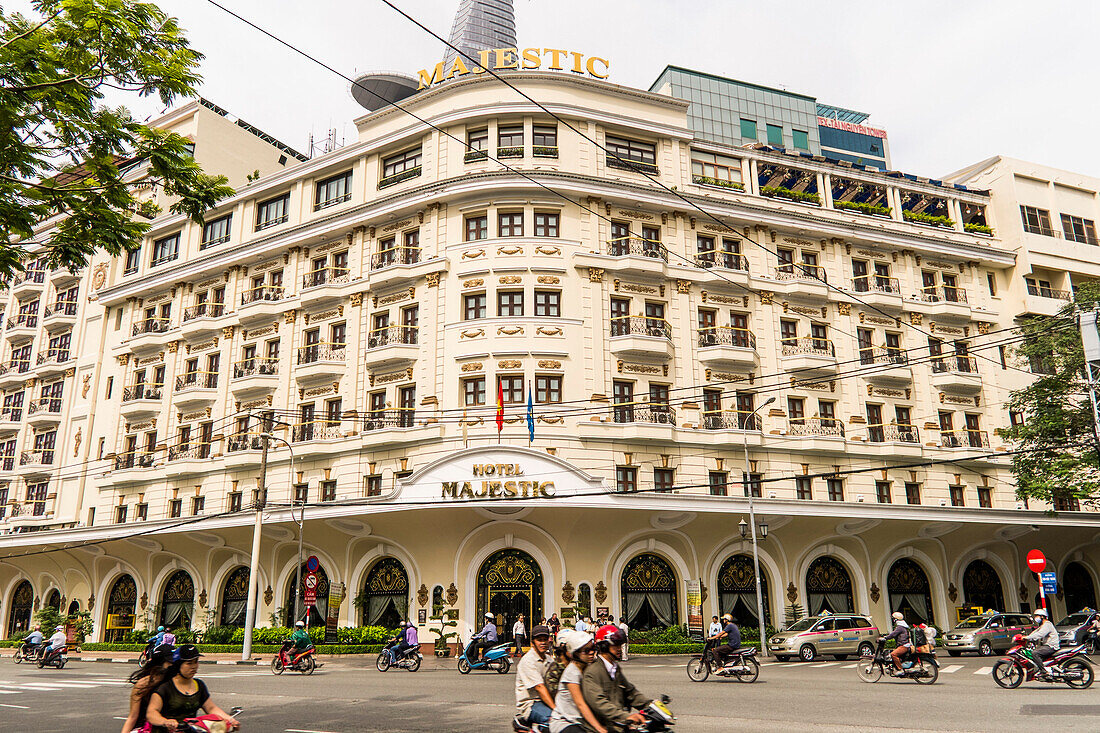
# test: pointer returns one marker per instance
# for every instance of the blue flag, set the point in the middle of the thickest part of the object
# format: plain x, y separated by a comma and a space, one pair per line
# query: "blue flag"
530, 413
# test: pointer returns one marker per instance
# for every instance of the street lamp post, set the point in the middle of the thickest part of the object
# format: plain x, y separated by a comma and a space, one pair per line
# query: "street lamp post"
752, 529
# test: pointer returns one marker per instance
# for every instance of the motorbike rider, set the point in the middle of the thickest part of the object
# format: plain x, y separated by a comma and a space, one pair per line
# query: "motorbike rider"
606, 689
158, 638
732, 635
901, 635
33, 639
301, 639
407, 640
534, 703
487, 635
1047, 636
182, 695
56, 642
146, 679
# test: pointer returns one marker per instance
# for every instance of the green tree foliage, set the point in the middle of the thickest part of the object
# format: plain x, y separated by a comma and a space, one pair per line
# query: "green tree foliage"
1061, 456
65, 154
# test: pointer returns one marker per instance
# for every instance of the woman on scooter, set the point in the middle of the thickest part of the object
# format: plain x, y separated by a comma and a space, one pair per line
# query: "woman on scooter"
146, 679
181, 696
571, 713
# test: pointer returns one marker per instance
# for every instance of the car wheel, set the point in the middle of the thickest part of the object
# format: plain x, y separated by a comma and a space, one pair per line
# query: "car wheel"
807, 653
866, 650
985, 648
781, 657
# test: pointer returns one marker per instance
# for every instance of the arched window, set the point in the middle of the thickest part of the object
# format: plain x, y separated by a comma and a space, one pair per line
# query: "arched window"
982, 586
1079, 590
437, 601
235, 598
317, 613
122, 600
509, 583
828, 587
384, 600
22, 603
584, 600
910, 592
737, 591
177, 601
53, 600
74, 607
649, 593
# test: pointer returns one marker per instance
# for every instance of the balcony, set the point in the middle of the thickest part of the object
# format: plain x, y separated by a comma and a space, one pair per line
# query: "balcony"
263, 302
141, 400
188, 458
802, 281
201, 319
816, 435
316, 430
1045, 301
320, 361
52, 361
732, 420
391, 345
636, 255
35, 462
637, 166
885, 366
880, 291
964, 439
957, 374
44, 411
633, 421
10, 420
808, 357
943, 302
722, 260
61, 312
394, 256
244, 449
195, 388
324, 285
22, 326
381, 428
14, 371
148, 334
727, 347
134, 460
893, 433
31, 513
397, 264
255, 376
640, 336
28, 281
60, 276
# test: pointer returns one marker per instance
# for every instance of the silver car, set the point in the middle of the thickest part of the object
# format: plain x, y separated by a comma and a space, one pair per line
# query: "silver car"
838, 635
986, 634
1074, 630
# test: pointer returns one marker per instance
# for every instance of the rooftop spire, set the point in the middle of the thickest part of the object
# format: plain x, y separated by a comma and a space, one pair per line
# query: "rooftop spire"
480, 25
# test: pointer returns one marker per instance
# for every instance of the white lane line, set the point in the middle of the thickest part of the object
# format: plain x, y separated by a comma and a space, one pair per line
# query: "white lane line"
983, 670
850, 666
826, 664
21, 707
654, 666
51, 685
952, 668
10, 692
301, 730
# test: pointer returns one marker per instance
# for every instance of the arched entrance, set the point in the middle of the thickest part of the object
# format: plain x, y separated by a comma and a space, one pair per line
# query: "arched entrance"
235, 598
74, 607
509, 583
19, 615
828, 587
121, 600
649, 593
177, 601
384, 600
982, 586
317, 613
53, 600
737, 591
1078, 588
910, 592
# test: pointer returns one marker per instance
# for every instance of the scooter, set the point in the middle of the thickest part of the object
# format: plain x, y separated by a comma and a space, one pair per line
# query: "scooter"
658, 718
496, 657
286, 659
54, 658
29, 652
207, 723
1019, 666
409, 659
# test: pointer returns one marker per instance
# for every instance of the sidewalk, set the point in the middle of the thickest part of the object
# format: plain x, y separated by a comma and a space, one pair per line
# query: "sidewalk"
131, 658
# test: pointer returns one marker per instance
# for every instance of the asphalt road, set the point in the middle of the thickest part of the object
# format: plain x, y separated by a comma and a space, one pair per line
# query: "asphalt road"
346, 696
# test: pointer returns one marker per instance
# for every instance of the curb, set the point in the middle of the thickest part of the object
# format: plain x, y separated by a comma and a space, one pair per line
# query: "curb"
115, 660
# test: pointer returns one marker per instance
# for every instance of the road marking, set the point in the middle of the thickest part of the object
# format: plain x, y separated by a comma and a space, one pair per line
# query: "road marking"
850, 666
983, 670
952, 668
826, 664
21, 707
655, 666
300, 730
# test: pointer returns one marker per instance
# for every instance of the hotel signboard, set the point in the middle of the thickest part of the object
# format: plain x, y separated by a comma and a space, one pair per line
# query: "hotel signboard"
499, 59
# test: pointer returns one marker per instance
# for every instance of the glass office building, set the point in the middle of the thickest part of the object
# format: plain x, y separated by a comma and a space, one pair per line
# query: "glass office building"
482, 24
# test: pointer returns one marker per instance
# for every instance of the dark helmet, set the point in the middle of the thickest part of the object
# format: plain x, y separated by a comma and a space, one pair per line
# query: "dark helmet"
162, 653
609, 635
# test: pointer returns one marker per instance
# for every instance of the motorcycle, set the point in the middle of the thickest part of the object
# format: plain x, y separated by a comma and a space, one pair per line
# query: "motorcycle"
207, 723
496, 657
55, 658
921, 667
1019, 665
29, 652
147, 652
409, 659
286, 659
741, 665
657, 716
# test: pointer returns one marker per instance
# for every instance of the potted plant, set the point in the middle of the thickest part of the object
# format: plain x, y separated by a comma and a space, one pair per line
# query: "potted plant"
443, 637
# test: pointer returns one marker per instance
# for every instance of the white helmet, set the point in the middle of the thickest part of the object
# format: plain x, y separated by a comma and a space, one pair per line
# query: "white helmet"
727, 617
489, 616
1041, 612
577, 640
299, 624
59, 628
899, 615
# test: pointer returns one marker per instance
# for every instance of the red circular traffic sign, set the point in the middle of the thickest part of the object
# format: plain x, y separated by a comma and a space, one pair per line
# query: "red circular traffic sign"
311, 582
1036, 561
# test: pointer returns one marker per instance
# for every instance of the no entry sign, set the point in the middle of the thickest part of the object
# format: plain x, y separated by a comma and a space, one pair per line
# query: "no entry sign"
1036, 561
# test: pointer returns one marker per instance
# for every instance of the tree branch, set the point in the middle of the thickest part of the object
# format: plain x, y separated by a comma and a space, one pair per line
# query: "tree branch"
21, 36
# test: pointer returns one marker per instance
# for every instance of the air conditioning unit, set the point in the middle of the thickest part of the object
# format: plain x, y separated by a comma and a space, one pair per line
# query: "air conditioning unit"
772, 495
943, 502
859, 498
1019, 505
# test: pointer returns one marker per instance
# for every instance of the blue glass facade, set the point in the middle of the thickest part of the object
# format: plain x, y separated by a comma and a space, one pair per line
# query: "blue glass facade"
854, 147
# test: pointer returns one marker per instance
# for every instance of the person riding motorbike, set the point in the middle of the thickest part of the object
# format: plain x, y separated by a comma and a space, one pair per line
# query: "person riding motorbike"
606, 689
182, 695
488, 636
34, 639
56, 642
572, 713
732, 634
407, 640
534, 703
158, 638
901, 635
1047, 636
146, 679
300, 638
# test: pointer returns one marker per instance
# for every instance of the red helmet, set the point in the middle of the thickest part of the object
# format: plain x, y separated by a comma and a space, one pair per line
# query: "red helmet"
1018, 639
610, 635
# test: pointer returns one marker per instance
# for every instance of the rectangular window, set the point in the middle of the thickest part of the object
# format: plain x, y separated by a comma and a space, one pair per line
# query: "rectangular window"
775, 135
958, 497
510, 303
477, 227
473, 391
719, 169
175, 508
406, 162
216, 231
912, 493
301, 493
801, 139
748, 130
332, 191
272, 212
631, 154
548, 303
985, 497
1077, 229
474, 306
991, 283
626, 479
512, 387
372, 485
133, 259
478, 141
328, 490
836, 489
510, 136
545, 136
235, 501
198, 503
166, 249
141, 512
719, 483
120, 514
803, 487
510, 224
1036, 221
882, 490
663, 479
547, 388
755, 484
546, 224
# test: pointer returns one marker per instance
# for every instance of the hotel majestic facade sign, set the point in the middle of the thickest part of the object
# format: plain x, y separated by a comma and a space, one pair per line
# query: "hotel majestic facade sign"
553, 59
505, 482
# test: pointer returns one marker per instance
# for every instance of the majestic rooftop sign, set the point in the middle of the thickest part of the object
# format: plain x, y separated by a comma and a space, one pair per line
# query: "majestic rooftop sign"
555, 59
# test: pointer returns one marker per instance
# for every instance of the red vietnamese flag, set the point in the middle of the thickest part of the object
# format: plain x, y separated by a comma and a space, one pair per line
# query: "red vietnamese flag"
500, 405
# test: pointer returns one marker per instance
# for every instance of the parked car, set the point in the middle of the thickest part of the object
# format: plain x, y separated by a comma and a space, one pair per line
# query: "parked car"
838, 635
1074, 628
986, 634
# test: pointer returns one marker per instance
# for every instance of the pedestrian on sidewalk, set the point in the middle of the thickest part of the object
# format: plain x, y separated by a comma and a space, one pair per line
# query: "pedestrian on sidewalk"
519, 632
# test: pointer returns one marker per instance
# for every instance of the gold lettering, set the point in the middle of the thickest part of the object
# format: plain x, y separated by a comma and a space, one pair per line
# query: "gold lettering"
531, 58
450, 488
484, 56
494, 488
546, 488
555, 58
578, 66
592, 64
466, 491
519, 469
426, 81
456, 69
477, 469
500, 468
503, 54
484, 489
510, 488
488, 470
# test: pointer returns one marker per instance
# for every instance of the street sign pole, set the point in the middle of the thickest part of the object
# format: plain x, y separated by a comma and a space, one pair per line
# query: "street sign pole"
1037, 563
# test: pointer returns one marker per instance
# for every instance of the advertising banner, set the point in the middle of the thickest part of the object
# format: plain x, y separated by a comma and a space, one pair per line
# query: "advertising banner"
695, 607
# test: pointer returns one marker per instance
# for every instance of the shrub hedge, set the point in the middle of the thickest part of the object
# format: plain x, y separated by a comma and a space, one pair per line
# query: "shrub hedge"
236, 648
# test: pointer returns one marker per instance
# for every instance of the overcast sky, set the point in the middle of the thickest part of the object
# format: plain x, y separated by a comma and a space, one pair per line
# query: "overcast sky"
952, 82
